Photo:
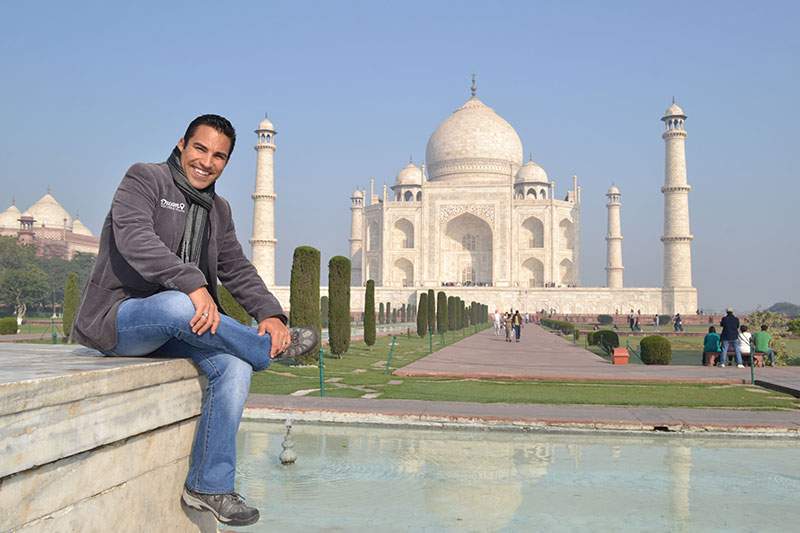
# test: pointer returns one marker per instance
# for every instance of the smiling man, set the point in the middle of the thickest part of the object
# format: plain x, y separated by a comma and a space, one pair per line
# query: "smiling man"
166, 241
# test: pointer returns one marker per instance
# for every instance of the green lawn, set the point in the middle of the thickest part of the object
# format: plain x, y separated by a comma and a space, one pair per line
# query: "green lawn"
361, 371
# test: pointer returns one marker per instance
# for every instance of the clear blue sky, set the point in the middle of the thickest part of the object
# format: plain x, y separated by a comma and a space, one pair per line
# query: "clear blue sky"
88, 88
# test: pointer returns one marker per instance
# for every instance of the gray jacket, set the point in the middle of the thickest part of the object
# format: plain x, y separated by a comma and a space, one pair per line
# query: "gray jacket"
138, 258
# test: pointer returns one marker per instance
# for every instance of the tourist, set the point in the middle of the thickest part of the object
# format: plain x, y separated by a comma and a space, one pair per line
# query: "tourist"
516, 320
744, 342
761, 340
631, 320
677, 323
655, 322
636, 326
730, 337
498, 322
711, 344
166, 240
508, 323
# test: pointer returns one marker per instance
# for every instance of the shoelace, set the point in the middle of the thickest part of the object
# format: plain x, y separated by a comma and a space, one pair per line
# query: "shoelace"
238, 497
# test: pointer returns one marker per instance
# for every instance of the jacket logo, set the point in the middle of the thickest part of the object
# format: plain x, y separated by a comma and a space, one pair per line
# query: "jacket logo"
175, 206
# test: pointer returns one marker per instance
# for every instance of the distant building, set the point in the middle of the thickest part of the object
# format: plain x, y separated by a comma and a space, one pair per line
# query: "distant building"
49, 227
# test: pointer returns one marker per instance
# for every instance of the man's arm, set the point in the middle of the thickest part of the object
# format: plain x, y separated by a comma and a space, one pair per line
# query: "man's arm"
132, 213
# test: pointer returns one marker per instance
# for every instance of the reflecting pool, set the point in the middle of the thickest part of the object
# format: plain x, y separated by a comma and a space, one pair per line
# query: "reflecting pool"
355, 478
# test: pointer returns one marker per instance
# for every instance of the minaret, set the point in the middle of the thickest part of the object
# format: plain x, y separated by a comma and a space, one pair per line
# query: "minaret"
614, 266
263, 241
356, 237
677, 237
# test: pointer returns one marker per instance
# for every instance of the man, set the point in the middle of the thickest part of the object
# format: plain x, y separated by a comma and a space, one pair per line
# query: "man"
730, 337
517, 321
498, 319
761, 339
166, 240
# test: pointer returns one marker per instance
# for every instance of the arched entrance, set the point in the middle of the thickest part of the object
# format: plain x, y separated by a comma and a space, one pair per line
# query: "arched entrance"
467, 251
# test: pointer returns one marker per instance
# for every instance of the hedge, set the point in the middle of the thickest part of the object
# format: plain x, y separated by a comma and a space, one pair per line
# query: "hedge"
604, 338
339, 304
431, 310
229, 305
422, 315
567, 328
324, 303
72, 297
656, 350
441, 312
663, 320
451, 313
369, 314
388, 312
304, 295
605, 320
381, 315
8, 325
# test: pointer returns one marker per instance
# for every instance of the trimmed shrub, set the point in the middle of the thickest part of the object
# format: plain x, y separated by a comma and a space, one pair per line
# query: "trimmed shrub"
656, 350
663, 320
564, 327
229, 306
431, 310
605, 320
441, 312
339, 308
389, 313
603, 337
304, 295
422, 315
794, 326
324, 302
72, 298
381, 315
369, 314
451, 313
8, 325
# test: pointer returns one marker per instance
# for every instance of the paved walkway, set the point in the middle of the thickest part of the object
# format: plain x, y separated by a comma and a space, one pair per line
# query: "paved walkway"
521, 417
542, 355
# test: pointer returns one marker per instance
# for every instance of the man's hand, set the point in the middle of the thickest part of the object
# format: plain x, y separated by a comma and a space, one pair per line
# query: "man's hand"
206, 314
278, 332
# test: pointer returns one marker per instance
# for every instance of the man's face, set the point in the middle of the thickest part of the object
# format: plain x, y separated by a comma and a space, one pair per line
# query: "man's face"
204, 156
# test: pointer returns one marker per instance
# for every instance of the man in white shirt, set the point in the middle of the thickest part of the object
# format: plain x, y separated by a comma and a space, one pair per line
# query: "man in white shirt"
498, 320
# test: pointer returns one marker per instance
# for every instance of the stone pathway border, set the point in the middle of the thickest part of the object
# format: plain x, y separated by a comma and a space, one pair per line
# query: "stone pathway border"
524, 417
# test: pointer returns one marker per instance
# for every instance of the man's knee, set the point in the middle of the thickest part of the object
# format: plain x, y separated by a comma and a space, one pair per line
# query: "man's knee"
175, 305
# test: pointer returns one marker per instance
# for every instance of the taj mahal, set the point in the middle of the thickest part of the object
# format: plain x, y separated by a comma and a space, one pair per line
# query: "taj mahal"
480, 221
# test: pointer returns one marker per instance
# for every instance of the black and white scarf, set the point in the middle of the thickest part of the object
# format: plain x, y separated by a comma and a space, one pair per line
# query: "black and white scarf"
200, 202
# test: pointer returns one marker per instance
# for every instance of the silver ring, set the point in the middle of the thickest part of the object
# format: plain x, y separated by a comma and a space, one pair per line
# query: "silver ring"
204, 315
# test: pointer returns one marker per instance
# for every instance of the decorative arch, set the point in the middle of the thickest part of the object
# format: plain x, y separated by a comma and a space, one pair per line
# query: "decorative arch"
408, 196
467, 247
373, 270
402, 234
533, 273
268, 137
373, 237
531, 194
532, 233
419, 196
566, 234
566, 272
543, 194
403, 273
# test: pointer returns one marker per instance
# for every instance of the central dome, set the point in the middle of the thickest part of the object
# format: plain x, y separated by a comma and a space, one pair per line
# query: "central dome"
473, 140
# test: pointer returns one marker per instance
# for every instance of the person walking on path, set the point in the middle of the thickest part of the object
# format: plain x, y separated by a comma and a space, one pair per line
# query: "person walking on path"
508, 323
677, 323
166, 240
631, 320
498, 322
517, 322
655, 322
730, 337
761, 339
711, 344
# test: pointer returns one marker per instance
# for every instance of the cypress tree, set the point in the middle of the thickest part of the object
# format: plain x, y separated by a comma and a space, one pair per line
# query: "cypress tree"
431, 310
422, 315
339, 309
369, 314
381, 316
402, 313
389, 313
441, 312
231, 307
72, 297
323, 305
304, 295
451, 314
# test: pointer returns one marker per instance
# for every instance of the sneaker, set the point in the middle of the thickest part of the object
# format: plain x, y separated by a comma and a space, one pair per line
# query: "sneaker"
230, 509
739, 366
303, 341
722, 365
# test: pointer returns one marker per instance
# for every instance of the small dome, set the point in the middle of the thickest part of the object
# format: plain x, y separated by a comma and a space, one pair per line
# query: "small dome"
613, 190
674, 111
410, 174
48, 212
358, 194
80, 229
530, 171
266, 124
10, 217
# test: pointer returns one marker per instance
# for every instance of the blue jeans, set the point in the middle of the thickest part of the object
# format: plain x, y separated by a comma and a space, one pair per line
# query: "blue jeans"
516, 331
159, 325
738, 350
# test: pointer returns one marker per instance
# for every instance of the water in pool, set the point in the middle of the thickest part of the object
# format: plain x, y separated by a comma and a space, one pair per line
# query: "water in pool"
351, 478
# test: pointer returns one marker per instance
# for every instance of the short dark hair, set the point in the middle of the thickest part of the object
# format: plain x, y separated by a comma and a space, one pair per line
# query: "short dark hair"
743, 328
221, 124
712, 329
763, 327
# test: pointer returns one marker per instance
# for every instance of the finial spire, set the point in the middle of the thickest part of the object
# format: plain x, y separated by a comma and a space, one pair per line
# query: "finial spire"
673, 99
49, 191
474, 88
410, 158
13, 200
530, 156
